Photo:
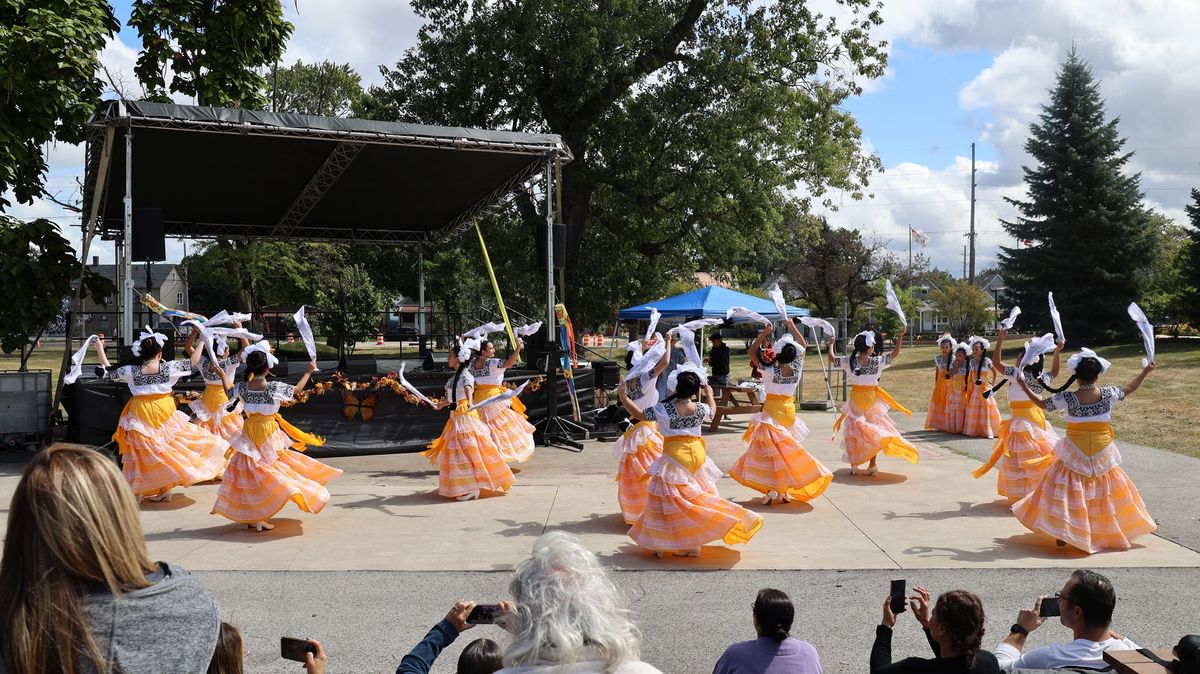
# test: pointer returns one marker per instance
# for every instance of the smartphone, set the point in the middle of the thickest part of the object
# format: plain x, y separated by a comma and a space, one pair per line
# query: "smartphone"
295, 649
1050, 608
484, 614
899, 596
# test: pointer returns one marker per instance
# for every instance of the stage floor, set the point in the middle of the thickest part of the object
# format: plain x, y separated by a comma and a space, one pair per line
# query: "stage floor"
386, 515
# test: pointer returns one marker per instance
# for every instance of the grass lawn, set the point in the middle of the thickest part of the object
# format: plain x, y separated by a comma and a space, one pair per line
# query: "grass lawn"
1159, 414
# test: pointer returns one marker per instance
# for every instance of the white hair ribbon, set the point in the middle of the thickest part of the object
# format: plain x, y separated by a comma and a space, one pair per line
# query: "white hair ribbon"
975, 339
147, 333
946, 337
673, 378
468, 345
1085, 352
264, 347
784, 340
868, 336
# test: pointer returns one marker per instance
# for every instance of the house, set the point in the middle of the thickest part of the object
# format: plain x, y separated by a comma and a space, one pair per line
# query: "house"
168, 284
723, 279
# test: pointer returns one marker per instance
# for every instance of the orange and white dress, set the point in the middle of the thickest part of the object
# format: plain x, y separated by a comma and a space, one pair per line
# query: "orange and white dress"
683, 510
267, 468
159, 448
956, 400
466, 454
775, 460
507, 420
637, 449
1084, 498
866, 428
983, 414
209, 410
1023, 441
935, 419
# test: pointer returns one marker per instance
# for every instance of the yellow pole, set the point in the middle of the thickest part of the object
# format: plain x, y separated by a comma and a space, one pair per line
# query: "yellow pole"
512, 338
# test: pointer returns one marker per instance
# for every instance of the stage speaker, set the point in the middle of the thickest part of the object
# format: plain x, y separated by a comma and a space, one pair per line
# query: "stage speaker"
560, 246
359, 364
608, 374
149, 240
281, 368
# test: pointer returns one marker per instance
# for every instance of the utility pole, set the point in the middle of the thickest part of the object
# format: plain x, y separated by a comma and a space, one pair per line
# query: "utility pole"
971, 236
910, 238
964, 274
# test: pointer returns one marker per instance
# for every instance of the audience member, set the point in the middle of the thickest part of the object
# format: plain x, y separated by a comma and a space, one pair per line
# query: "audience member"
77, 590
1086, 603
481, 656
229, 656
569, 618
774, 651
954, 631
718, 357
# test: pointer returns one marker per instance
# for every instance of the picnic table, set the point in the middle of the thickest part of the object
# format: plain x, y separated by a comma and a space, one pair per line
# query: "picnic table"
733, 399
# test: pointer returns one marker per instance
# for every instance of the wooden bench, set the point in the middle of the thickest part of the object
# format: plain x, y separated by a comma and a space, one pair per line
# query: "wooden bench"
733, 400
1132, 662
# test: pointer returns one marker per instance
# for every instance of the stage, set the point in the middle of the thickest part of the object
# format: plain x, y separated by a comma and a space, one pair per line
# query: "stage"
386, 516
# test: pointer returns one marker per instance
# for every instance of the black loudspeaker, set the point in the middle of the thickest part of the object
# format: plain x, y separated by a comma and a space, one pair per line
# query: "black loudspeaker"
149, 240
359, 365
560, 246
608, 373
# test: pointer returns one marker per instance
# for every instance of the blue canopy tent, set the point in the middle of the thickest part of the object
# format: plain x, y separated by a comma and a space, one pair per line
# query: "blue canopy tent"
710, 302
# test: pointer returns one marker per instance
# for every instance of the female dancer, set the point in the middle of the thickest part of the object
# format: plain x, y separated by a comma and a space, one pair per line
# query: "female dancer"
1084, 498
775, 463
160, 450
267, 468
506, 420
467, 457
1026, 436
868, 430
983, 414
956, 390
683, 510
209, 410
641, 444
935, 419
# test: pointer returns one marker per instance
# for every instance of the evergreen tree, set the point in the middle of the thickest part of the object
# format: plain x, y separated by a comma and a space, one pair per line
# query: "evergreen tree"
1093, 241
1191, 268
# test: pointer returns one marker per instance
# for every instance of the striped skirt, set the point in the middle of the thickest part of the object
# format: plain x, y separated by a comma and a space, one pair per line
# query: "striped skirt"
775, 460
161, 450
955, 416
636, 451
935, 419
507, 422
1025, 441
982, 419
467, 458
209, 413
867, 430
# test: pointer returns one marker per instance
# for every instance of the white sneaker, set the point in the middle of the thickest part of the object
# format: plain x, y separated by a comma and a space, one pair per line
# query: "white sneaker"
873, 470
261, 526
770, 497
694, 552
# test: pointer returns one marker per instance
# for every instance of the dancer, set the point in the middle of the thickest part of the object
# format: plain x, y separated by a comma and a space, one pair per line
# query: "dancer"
160, 450
683, 510
641, 444
209, 411
868, 430
467, 457
1026, 437
983, 414
506, 420
775, 463
956, 391
267, 468
1084, 498
935, 419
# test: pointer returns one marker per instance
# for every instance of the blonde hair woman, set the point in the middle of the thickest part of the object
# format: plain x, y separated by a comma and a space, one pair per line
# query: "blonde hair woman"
77, 590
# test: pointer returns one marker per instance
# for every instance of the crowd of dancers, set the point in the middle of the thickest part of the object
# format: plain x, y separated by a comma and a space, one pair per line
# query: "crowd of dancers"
1070, 487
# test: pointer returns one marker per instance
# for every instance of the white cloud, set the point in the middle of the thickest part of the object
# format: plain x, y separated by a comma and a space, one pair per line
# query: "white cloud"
363, 33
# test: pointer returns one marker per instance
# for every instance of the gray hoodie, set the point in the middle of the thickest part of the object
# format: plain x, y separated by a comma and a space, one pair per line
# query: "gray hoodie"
170, 626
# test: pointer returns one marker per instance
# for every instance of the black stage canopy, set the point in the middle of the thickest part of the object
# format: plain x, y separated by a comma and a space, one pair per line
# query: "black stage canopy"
231, 173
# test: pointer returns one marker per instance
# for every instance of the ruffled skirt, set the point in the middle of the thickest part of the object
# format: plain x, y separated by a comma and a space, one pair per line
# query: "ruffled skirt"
512, 433
935, 419
868, 430
254, 489
160, 449
776, 461
636, 451
955, 416
467, 458
209, 413
982, 419
1022, 443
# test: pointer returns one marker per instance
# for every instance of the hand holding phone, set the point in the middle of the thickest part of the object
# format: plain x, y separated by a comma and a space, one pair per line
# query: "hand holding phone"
295, 649
484, 614
1050, 608
899, 596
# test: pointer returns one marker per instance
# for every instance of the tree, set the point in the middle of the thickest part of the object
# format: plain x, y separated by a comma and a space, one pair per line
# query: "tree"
38, 266
1190, 277
1165, 295
214, 48
690, 121
967, 308
352, 306
50, 55
1093, 240
836, 267
885, 319
325, 89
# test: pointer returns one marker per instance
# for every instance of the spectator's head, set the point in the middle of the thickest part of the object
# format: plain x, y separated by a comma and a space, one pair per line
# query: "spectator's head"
717, 339
482, 656
957, 621
229, 656
1087, 601
567, 610
73, 523
773, 614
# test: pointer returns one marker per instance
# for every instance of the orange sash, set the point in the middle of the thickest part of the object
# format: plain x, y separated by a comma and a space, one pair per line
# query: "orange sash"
863, 397
1021, 409
688, 450
153, 409
259, 427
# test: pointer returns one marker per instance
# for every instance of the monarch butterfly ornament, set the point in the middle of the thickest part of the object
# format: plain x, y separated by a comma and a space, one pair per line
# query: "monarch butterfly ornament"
361, 408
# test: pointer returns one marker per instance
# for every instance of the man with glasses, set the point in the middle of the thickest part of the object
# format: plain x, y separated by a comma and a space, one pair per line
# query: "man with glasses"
1086, 606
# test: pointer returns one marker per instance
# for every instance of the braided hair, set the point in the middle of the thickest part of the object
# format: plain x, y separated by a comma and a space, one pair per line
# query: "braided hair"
774, 613
960, 613
463, 364
1034, 368
979, 363
1087, 370
687, 386
860, 346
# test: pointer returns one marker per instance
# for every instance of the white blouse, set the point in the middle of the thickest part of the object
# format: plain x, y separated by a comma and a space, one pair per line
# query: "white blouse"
464, 380
492, 372
643, 390
671, 423
868, 375
169, 371
984, 373
265, 401
1036, 384
1101, 410
230, 365
777, 383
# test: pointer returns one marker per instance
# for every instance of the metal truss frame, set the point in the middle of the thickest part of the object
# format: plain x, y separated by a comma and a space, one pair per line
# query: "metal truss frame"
332, 168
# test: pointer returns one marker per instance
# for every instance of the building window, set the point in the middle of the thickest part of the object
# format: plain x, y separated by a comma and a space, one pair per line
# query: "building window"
178, 300
103, 318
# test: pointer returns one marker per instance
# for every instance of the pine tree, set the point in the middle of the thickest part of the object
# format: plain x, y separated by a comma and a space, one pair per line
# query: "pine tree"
1191, 267
1092, 239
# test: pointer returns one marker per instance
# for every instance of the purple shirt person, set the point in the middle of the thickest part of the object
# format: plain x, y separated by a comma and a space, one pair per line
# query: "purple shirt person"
773, 652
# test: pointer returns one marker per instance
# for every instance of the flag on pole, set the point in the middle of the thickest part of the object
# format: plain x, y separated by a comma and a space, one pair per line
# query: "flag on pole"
919, 236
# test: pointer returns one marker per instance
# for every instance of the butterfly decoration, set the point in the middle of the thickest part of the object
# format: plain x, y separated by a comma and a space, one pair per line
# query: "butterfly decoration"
362, 408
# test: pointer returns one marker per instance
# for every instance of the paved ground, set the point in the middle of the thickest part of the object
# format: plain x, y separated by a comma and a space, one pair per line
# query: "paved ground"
384, 561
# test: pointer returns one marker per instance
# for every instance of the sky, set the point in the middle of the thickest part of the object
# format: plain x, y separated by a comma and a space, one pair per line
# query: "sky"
959, 72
